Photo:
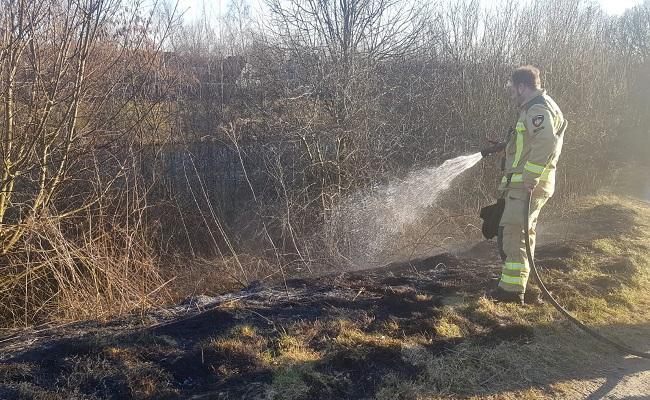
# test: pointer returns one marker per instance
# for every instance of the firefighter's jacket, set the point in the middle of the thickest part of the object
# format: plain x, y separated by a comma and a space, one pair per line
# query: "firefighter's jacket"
534, 146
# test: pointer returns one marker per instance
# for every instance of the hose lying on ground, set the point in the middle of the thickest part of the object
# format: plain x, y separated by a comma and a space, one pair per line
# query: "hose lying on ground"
625, 349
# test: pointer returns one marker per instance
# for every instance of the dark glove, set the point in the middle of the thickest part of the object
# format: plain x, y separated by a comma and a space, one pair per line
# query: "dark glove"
491, 216
494, 147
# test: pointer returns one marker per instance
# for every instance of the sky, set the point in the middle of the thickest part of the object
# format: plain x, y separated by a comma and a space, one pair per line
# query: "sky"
617, 7
193, 8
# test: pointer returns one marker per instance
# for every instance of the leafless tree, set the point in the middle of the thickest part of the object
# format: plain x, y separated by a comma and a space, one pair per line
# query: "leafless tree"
72, 92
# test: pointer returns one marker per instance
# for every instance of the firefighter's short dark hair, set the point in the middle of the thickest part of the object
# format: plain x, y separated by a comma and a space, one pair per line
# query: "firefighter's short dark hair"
526, 75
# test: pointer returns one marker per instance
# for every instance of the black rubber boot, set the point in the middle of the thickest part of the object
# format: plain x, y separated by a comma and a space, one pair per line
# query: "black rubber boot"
534, 296
502, 296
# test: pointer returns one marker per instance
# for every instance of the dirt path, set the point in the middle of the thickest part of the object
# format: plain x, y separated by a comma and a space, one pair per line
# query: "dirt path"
627, 379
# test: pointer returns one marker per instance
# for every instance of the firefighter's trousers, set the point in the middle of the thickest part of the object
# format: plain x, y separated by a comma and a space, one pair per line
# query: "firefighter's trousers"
512, 245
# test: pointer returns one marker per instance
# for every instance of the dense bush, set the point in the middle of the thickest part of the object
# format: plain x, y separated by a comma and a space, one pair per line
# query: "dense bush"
243, 138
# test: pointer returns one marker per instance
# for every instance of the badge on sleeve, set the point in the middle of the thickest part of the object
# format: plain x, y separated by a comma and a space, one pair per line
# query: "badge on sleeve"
537, 120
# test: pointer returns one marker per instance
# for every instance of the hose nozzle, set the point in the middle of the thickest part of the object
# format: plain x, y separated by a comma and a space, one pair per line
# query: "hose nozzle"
495, 148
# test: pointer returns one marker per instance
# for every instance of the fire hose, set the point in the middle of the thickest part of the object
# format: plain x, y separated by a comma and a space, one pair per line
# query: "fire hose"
625, 349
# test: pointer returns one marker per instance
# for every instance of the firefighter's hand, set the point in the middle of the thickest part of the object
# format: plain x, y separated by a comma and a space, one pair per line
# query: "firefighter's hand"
495, 147
497, 144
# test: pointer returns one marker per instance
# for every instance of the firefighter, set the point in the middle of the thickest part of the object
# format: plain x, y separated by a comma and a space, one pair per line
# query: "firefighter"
531, 154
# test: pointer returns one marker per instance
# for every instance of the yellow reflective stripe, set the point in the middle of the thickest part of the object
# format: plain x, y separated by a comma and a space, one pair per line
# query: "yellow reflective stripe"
520, 127
513, 280
545, 174
520, 146
534, 168
557, 121
514, 266
516, 178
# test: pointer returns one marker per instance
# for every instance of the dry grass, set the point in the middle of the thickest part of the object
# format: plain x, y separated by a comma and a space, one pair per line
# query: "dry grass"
400, 338
216, 275
605, 286
58, 276
603, 282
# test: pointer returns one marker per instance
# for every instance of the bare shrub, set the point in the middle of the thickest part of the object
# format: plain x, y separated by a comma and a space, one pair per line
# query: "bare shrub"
78, 81
108, 270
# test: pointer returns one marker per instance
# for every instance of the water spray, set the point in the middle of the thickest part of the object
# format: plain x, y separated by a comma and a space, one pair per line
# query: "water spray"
372, 221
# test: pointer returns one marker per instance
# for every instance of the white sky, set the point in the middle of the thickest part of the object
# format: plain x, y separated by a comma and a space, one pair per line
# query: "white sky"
214, 8
617, 7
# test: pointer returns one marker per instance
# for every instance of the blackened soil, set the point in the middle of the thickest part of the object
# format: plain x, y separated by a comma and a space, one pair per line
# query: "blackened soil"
359, 375
209, 353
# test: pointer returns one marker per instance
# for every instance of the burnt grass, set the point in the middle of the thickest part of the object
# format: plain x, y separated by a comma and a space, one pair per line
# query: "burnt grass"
229, 350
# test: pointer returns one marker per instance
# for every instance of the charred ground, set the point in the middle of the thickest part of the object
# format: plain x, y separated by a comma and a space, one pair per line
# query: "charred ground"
418, 329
